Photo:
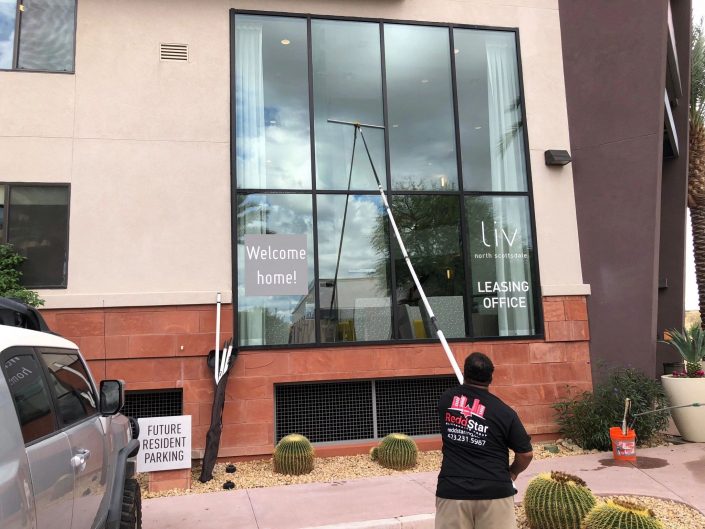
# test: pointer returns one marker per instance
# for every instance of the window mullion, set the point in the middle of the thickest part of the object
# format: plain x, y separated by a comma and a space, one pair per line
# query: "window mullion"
16, 48
387, 161
464, 239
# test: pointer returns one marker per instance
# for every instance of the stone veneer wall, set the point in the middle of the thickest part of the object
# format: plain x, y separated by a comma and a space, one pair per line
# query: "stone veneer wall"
165, 347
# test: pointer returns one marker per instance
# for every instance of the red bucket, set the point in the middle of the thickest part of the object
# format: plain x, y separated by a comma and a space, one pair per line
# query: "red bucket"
623, 446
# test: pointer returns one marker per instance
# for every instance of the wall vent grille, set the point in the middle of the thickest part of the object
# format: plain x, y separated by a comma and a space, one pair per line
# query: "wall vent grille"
153, 403
359, 410
173, 52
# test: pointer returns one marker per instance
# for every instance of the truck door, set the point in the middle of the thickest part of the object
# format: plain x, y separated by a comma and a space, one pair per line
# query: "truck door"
77, 410
48, 449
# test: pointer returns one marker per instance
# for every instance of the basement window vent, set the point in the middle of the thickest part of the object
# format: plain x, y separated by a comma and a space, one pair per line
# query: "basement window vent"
173, 52
359, 410
153, 403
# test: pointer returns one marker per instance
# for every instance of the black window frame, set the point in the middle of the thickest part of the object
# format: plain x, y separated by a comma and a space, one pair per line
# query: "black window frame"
16, 44
461, 193
5, 223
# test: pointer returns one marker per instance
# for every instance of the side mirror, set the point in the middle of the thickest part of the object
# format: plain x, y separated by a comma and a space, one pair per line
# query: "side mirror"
112, 396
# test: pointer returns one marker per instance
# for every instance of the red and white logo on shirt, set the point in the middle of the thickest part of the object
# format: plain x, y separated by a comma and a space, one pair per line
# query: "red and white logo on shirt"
461, 404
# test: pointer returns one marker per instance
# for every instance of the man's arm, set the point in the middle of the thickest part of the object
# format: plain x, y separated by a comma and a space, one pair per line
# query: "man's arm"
520, 463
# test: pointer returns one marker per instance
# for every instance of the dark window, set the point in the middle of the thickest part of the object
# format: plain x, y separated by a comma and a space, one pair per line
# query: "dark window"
30, 393
37, 223
71, 385
37, 35
451, 151
153, 403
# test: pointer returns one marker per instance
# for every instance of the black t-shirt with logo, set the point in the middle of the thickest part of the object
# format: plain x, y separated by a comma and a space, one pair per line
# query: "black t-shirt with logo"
477, 429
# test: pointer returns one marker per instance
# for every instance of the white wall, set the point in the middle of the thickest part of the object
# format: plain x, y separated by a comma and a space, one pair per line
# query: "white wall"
145, 144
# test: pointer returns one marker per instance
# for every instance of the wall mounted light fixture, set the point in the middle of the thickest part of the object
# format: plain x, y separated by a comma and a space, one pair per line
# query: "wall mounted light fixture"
556, 157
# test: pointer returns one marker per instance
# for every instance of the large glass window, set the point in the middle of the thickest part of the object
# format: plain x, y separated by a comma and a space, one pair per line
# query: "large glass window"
268, 320
489, 107
347, 86
271, 103
46, 36
499, 231
353, 257
420, 102
451, 157
37, 224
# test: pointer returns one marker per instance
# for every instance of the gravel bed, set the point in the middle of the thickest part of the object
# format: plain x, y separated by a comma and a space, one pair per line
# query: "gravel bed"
672, 514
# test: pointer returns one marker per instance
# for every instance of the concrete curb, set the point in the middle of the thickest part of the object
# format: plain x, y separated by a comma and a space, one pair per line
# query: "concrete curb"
417, 521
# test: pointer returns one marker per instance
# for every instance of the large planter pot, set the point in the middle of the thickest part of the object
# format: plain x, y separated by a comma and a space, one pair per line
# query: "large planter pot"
681, 391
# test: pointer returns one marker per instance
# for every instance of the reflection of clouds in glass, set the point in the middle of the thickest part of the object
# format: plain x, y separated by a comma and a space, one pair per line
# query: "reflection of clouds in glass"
347, 86
422, 144
358, 257
7, 32
272, 121
281, 214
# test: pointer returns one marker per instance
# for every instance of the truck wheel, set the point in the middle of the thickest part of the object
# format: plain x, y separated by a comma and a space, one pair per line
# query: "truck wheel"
131, 516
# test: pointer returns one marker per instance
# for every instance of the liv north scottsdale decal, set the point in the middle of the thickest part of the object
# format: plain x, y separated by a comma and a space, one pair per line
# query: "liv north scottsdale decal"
276, 265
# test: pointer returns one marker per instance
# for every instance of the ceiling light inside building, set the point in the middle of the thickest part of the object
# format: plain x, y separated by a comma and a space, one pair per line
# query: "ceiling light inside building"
285, 42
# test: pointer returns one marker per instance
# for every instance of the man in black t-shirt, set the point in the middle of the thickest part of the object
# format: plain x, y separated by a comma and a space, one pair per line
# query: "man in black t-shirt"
475, 489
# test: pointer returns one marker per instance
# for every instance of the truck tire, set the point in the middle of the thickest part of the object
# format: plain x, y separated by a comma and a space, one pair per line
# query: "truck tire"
131, 516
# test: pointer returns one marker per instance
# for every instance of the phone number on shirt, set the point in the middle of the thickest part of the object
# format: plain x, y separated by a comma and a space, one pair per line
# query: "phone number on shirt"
466, 439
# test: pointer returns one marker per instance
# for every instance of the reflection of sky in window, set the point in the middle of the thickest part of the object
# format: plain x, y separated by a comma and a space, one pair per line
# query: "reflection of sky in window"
272, 103
422, 131
359, 256
277, 214
347, 83
8, 10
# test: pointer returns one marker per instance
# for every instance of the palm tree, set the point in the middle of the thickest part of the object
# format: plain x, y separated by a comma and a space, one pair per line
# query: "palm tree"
696, 159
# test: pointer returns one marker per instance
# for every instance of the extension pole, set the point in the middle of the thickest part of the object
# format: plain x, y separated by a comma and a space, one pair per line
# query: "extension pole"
358, 127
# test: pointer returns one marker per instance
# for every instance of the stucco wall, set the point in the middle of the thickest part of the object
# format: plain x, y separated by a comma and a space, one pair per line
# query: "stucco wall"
146, 144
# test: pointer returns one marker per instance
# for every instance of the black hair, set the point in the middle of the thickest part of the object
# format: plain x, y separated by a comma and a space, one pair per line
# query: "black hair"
478, 369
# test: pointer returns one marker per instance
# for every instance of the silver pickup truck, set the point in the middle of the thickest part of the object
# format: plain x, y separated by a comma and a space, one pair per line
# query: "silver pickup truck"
66, 454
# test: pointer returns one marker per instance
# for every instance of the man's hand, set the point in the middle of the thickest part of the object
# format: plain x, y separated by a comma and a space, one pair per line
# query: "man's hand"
520, 463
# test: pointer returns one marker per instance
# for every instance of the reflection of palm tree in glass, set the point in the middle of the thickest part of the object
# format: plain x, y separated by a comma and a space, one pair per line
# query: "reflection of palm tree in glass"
430, 228
515, 128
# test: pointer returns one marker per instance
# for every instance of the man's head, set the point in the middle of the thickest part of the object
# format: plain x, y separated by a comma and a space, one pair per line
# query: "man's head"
478, 369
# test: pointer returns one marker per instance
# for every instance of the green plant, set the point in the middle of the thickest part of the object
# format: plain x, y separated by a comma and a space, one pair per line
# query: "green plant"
293, 455
587, 418
690, 344
397, 451
618, 514
374, 453
557, 501
10, 277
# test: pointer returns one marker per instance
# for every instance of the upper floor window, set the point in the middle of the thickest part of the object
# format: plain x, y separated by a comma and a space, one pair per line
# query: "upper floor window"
37, 35
34, 218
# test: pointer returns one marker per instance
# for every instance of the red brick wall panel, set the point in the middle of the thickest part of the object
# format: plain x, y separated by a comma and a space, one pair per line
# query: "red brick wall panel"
166, 347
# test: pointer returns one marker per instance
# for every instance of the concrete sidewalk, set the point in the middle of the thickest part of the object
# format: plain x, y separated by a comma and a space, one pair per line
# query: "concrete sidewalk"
408, 500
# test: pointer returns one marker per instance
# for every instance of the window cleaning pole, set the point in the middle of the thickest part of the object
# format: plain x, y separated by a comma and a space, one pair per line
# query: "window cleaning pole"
358, 128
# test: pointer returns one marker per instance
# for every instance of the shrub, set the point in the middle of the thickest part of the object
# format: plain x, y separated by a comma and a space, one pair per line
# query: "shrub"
557, 501
10, 276
617, 514
587, 418
397, 451
293, 455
